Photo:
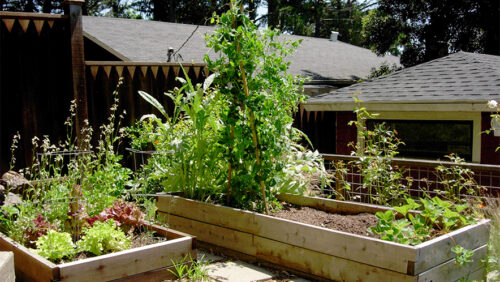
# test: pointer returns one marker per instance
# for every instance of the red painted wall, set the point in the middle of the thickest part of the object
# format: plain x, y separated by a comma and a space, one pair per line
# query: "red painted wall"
345, 133
489, 143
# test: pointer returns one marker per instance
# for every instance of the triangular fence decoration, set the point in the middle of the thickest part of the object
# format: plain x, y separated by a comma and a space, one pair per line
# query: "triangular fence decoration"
165, 71
301, 116
24, 24
38, 25
206, 71
51, 23
107, 69
94, 70
154, 69
119, 70
9, 23
197, 71
131, 71
308, 113
176, 71
315, 115
322, 115
144, 70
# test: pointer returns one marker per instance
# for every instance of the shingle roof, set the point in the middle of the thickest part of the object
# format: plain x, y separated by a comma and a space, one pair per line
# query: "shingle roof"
459, 77
141, 40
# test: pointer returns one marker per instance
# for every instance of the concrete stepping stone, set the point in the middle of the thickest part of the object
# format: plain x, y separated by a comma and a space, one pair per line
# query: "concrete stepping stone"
7, 273
238, 271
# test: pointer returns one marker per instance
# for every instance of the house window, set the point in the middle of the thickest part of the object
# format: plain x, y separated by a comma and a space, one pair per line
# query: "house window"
431, 139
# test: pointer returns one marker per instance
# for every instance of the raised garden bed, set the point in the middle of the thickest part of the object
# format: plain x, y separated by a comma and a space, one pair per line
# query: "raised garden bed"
322, 253
148, 263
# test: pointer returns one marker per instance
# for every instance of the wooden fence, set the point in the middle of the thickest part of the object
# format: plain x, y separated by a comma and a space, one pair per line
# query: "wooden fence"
153, 78
35, 79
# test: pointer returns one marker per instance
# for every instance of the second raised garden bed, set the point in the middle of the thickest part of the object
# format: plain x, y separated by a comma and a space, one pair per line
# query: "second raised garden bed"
322, 253
148, 263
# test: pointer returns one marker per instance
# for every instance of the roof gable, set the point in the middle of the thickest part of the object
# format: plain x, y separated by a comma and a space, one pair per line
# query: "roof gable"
148, 41
459, 77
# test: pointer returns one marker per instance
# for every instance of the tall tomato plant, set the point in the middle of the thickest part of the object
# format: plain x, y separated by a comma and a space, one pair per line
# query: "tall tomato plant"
259, 97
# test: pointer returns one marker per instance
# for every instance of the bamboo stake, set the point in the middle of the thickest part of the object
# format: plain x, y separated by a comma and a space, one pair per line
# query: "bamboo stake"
252, 124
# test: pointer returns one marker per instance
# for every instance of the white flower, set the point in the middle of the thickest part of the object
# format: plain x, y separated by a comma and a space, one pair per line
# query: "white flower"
492, 104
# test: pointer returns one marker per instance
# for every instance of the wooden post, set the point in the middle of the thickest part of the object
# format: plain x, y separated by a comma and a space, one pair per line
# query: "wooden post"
73, 8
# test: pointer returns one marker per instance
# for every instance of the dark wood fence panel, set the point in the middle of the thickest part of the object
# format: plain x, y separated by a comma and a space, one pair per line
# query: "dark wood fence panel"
153, 78
35, 80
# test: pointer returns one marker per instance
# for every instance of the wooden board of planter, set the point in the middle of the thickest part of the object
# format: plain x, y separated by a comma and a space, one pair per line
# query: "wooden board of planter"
148, 263
322, 253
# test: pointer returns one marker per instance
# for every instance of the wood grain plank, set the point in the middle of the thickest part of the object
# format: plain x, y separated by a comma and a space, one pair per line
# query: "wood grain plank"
323, 265
29, 266
449, 271
220, 236
205, 212
331, 205
341, 244
384, 254
437, 251
129, 262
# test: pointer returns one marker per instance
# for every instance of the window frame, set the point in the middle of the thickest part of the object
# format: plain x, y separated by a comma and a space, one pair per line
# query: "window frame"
475, 117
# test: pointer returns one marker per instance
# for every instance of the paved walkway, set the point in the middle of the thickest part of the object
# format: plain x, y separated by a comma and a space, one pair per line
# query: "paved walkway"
222, 269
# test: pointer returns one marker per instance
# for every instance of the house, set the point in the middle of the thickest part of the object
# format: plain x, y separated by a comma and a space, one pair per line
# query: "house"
329, 63
438, 107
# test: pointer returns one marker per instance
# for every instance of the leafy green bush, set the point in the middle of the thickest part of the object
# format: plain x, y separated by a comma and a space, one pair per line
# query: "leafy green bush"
436, 216
55, 246
102, 238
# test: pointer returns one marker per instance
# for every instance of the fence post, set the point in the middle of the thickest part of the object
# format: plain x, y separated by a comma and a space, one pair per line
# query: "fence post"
73, 9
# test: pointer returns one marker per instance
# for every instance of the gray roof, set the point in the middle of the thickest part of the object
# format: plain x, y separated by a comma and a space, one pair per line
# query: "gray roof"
148, 41
457, 78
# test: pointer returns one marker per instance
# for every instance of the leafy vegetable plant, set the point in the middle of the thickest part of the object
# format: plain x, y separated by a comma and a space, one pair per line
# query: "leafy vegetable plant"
55, 246
103, 237
437, 216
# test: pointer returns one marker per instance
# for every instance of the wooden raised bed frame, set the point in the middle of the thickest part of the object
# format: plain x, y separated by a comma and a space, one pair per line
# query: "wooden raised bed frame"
148, 263
321, 253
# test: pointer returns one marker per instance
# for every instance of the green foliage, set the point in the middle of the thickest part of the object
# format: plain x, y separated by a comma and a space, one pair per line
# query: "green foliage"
188, 158
384, 69
414, 228
462, 255
376, 149
319, 18
426, 30
457, 181
55, 246
301, 166
258, 99
190, 269
102, 238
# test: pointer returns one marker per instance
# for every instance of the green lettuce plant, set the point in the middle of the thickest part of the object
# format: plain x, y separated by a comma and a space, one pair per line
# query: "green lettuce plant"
55, 246
103, 237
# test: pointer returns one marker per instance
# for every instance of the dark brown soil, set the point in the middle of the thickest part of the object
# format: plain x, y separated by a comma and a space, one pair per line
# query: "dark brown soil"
355, 224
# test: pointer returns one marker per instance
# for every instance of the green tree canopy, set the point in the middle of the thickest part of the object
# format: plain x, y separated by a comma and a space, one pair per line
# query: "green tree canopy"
422, 30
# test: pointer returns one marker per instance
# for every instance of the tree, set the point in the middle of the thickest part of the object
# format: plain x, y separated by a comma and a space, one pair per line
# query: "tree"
111, 8
423, 30
319, 17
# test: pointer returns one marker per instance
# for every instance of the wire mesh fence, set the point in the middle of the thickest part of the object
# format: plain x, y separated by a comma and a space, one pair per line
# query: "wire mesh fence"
418, 177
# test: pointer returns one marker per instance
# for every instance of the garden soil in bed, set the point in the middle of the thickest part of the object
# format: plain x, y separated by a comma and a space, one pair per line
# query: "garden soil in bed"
355, 224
